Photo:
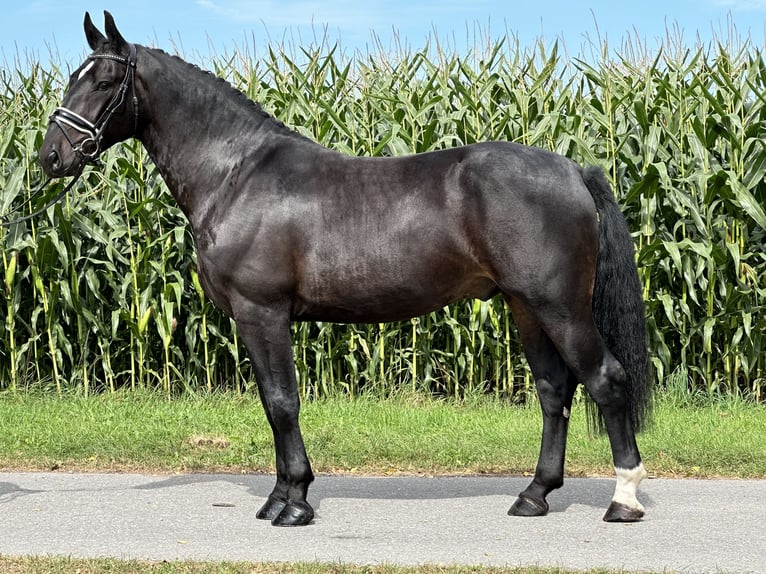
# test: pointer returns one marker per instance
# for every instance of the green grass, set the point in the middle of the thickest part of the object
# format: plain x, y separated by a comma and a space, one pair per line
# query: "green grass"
111, 566
410, 434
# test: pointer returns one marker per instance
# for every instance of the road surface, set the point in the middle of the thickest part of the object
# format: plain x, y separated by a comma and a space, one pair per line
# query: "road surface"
691, 525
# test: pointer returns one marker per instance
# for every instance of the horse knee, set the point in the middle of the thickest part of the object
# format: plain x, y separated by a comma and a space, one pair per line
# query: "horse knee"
282, 408
284, 414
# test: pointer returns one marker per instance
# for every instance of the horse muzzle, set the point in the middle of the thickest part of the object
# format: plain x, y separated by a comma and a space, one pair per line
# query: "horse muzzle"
57, 157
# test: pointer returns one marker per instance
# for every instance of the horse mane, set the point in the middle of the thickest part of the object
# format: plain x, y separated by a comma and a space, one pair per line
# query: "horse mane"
235, 93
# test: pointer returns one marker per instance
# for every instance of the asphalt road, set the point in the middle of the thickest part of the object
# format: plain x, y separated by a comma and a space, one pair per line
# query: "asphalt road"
691, 526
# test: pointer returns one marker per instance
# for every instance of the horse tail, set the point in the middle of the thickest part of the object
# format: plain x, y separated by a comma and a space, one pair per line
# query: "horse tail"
618, 306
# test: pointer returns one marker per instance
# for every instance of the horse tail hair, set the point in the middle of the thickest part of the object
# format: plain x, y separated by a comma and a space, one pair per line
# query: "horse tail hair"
618, 306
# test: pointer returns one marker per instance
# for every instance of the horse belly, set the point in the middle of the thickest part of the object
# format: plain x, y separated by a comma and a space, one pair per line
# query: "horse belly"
370, 290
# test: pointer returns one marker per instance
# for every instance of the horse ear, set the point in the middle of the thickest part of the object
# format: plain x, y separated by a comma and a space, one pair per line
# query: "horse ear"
112, 33
95, 38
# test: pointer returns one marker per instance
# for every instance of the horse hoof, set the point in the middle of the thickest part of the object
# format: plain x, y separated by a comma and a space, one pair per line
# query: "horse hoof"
271, 509
294, 514
528, 507
618, 512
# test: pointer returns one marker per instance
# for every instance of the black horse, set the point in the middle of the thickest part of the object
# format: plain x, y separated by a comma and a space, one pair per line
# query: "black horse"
287, 230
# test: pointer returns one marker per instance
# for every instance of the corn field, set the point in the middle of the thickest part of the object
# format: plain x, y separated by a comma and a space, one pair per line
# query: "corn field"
101, 293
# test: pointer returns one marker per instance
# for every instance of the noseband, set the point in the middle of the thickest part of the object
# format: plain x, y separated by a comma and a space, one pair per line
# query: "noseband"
90, 147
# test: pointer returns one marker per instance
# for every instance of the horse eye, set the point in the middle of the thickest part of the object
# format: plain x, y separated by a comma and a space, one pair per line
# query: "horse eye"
103, 86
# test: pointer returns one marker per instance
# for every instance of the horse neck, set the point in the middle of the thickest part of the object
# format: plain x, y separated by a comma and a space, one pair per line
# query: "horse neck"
196, 128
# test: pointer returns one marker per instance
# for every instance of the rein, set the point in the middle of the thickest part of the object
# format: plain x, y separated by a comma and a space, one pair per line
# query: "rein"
89, 148
59, 196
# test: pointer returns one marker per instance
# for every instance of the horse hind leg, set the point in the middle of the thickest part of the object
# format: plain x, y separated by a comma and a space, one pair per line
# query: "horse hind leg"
555, 388
607, 388
582, 347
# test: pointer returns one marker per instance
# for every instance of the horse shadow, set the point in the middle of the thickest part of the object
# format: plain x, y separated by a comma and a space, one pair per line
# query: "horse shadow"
592, 492
10, 491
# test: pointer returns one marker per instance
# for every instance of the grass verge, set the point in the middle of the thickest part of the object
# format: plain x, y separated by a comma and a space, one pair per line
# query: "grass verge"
229, 433
110, 566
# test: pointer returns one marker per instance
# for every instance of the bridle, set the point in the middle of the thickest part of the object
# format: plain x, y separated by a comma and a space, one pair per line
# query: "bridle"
89, 148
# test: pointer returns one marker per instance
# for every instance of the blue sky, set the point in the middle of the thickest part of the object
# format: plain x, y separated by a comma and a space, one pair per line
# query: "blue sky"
199, 28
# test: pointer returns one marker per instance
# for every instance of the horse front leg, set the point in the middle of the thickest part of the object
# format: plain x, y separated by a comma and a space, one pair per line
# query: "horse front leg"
266, 333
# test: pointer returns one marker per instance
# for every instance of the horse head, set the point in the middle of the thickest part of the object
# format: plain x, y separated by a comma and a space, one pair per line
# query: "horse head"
100, 106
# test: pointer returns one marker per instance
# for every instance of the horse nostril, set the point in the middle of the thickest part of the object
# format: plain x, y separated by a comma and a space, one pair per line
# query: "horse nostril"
53, 160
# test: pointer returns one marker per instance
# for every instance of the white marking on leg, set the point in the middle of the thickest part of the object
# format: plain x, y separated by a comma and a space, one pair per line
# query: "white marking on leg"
85, 70
627, 486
